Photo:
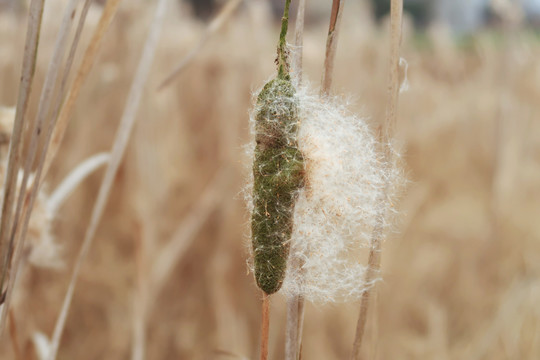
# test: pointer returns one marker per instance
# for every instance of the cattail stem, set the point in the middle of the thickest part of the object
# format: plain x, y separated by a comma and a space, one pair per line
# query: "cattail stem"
295, 304
386, 134
295, 322
331, 45
291, 334
283, 67
265, 326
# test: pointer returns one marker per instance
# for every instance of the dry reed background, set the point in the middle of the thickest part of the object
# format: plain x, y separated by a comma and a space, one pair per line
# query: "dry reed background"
461, 273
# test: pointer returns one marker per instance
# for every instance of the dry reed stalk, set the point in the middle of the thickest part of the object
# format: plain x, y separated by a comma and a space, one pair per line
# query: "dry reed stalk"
84, 69
14, 337
15, 146
265, 325
331, 45
153, 276
73, 179
374, 260
38, 127
297, 56
140, 301
118, 150
45, 102
295, 304
172, 252
216, 24
293, 333
69, 61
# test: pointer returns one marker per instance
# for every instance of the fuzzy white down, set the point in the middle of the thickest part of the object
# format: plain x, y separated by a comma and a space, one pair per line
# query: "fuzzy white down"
336, 212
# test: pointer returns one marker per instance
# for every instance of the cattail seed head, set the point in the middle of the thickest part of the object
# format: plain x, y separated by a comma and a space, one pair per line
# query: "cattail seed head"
277, 176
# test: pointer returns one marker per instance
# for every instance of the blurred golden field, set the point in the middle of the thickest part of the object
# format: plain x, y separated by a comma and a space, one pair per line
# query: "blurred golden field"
461, 269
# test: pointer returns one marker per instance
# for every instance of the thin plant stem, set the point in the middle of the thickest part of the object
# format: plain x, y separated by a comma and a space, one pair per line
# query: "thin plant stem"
331, 45
265, 326
30, 196
15, 148
40, 125
216, 24
386, 134
69, 61
291, 333
295, 324
295, 304
301, 312
40, 122
140, 300
172, 252
297, 57
73, 180
120, 143
82, 74
283, 64
14, 337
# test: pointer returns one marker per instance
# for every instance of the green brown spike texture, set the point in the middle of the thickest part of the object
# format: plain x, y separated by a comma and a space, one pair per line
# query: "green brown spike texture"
278, 171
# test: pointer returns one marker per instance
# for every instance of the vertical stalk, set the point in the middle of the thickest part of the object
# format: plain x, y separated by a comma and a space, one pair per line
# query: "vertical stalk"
9, 190
331, 45
299, 40
283, 64
117, 153
295, 304
374, 261
265, 326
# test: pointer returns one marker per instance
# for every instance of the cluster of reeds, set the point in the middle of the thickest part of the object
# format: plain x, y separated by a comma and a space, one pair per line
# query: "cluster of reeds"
461, 283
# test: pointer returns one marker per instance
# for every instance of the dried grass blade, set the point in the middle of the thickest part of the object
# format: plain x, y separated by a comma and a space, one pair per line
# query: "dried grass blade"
214, 26
297, 57
26, 198
109, 11
14, 336
295, 304
69, 61
15, 148
44, 106
37, 127
75, 177
82, 73
374, 260
331, 45
117, 153
170, 254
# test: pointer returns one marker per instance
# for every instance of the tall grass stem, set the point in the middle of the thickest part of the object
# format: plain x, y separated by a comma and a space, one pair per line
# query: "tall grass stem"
120, 143
331, 45
386, 134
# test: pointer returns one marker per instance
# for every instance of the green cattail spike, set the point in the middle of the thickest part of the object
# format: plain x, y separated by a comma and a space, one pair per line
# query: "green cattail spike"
278, 172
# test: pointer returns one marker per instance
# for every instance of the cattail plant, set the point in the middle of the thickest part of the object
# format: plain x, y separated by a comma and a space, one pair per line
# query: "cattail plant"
318, 180
277, 176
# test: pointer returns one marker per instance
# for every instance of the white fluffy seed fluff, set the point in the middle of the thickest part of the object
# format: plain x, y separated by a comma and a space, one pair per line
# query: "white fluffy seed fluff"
338, 209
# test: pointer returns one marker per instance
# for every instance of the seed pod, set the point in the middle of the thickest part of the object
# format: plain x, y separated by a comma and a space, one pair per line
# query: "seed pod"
278, 173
